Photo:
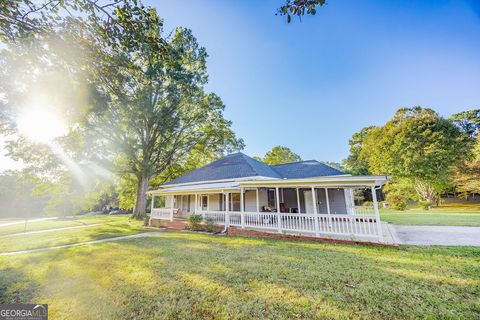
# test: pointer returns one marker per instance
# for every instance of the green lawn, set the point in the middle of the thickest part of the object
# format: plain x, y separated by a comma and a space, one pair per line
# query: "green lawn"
185, 275
431, 218
453, 212
59, 223
92, 228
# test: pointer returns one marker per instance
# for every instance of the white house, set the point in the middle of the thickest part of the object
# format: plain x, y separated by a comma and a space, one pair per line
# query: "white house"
306, 197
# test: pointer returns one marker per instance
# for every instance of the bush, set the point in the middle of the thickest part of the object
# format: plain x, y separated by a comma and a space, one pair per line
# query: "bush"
210, 225
367, 203
425, 205
194, 221
396, 201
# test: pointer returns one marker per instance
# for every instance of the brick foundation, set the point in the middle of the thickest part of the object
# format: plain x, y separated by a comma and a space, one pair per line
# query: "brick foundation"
170, 225
238, 232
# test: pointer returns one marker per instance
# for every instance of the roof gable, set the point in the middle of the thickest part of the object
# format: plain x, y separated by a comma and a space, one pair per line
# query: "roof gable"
305, 169
232, 166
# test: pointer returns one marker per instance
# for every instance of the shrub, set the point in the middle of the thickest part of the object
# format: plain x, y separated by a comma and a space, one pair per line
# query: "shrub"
425, 205
396, 201
194, 221
367, 203
210, 225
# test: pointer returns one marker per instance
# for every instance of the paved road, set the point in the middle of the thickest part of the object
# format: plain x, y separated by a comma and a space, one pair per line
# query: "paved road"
436, 235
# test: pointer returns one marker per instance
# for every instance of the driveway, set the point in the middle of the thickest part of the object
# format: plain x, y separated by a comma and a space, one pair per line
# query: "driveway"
436, 235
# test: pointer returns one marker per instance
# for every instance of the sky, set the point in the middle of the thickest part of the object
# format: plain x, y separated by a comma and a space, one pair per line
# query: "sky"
309, 85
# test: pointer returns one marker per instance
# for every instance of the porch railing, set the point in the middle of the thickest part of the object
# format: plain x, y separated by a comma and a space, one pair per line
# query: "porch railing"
317, 224
160, 213
362, 221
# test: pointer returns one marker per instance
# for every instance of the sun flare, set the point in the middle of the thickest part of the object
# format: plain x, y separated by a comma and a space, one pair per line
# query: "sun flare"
41, 125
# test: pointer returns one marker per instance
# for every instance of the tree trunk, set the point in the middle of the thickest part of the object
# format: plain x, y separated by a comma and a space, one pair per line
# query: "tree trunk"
139, 212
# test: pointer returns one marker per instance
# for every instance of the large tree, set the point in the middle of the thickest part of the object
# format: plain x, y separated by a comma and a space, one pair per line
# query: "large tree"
157, 109
468, 121
146, 108
416, 144
466, 176
279, 155
355, 164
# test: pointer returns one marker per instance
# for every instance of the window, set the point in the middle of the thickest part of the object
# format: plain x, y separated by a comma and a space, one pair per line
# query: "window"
204, 203
235, 202
271, 198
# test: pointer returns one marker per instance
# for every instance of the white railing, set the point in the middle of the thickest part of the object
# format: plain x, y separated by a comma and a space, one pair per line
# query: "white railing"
362, 223
363, 210
218, 217
160, 213
328, 224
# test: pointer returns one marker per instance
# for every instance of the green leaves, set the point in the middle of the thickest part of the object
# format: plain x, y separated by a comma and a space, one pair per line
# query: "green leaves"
279, 155
299, 8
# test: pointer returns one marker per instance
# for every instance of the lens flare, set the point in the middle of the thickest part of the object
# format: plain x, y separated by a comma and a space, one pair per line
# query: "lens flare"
41, 125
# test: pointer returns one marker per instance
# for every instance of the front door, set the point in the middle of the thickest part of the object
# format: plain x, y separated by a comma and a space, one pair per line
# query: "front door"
307, 196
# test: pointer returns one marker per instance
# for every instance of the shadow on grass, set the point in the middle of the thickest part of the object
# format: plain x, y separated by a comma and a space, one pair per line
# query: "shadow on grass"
182, 275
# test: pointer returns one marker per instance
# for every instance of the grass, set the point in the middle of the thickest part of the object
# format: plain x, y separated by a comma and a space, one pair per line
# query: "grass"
451, 213
59, 223
92, 228
196, 276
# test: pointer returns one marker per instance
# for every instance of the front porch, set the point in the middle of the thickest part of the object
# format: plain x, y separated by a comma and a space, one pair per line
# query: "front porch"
319, 211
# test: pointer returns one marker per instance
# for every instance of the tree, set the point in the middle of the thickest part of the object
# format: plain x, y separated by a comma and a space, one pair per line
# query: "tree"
279, 155
157, 110
418, 145
468, 121
299, 8
146, 108
354, 164
466, 176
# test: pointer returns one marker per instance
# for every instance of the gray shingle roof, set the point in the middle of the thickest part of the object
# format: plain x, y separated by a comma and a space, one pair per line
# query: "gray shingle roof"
236, 165
305, 169
239, 165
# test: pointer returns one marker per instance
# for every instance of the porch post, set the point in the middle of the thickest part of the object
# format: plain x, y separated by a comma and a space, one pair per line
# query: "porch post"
242, 208
196, 204
151, 209
227, 209
171, 208
258, 201
208, 202
279, 222
314, 199
298, 201
377, 214
328, 208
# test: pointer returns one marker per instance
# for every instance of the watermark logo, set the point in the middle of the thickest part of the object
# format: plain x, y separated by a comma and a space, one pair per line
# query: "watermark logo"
20, 311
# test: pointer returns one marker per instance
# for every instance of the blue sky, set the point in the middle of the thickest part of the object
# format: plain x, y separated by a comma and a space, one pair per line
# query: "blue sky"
310, 85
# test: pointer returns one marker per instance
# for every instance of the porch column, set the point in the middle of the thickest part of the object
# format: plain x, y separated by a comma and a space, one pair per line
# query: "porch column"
314, 199
279, 221
328, 208
258, 201
208, 202
298, 201
151, 209
171, 208
196, 204
227, 209
242, 208
377, 214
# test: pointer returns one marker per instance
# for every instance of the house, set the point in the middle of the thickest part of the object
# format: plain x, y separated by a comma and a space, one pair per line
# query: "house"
306, 197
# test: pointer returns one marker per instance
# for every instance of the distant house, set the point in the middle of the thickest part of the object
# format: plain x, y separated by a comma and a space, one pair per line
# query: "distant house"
306, 197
